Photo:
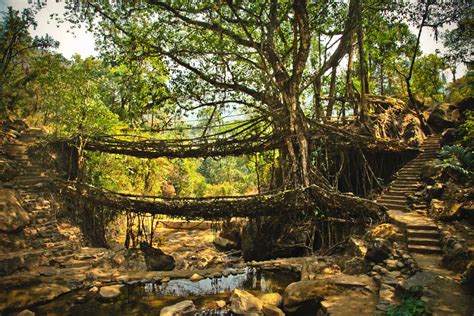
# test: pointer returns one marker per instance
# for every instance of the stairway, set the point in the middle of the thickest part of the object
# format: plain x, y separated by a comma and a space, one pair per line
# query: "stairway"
44, 242
422, 232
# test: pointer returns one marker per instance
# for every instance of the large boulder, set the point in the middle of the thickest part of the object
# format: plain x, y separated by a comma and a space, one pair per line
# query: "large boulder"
439, 121
182, 308
300, 293
157, 260
274, 299
378, 250
12, 215
242, 302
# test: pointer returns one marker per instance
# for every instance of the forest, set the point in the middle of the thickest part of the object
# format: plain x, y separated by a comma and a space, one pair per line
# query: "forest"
238, 142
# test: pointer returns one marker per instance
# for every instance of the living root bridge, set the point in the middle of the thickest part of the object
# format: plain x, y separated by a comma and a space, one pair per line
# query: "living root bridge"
281, 203
203, 147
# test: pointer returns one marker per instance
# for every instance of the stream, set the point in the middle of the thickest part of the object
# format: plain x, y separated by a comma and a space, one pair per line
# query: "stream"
150, 298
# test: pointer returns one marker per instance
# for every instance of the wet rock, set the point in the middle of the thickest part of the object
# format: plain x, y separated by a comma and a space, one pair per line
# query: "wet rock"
356, 265
12, 215
182, 308
378, 250
224, 244
196, 277
80, 299
10, 264
110, 292
271, 310
242, 302
274, 299
386, 231
157, 260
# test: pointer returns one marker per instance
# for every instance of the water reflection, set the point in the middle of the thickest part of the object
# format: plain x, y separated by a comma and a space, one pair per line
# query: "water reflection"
150, 298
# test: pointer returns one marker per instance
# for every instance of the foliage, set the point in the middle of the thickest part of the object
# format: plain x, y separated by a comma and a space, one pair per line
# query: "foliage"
467, 130
458, 159
461, 88
17, 52
410, 306
428, 78
80, 107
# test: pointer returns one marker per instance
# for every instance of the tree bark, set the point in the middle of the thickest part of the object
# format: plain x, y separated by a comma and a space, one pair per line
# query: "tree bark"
332, 93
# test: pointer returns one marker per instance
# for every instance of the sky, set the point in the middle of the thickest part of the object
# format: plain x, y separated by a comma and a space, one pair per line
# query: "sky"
82, 42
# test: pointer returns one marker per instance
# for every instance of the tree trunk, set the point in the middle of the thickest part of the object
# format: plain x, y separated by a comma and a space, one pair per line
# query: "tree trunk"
349, 92
332, 93
363, 100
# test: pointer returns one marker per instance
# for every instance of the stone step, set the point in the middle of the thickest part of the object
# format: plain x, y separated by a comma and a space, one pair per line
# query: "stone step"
425, 249
427, 226
425, 233
394, 206
384, 201
423, 242
395, 197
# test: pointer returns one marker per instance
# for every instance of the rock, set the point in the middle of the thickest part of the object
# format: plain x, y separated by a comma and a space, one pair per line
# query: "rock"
271, 310
429, 171
182, 308
298, 293
220, 304
7, 170
456, 258
436, 208
386, 231
12, 215
94, 290
224, 244
242, 302
165, 279
356, 265
417, 282
157, 260
438, 120
468, 276
110, 292
357, 247
26, 312
80, 299
391, 264
196, 277
448, 137
274, 299
10, 264
378, 250
435, 191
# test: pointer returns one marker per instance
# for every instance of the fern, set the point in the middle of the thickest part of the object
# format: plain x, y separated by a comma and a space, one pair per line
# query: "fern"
458, 159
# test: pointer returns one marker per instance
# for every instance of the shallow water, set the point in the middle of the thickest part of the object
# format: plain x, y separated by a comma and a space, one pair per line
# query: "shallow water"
150, 298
